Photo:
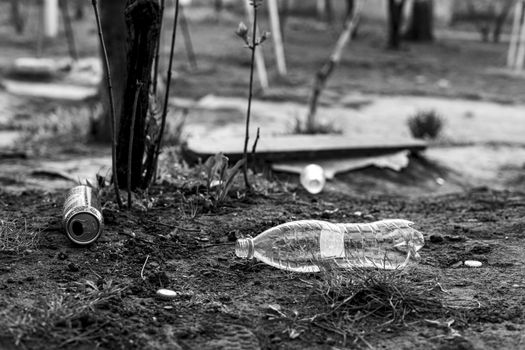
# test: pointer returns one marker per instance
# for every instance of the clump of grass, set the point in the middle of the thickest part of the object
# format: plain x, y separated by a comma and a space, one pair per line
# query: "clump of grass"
16, 237
63, 128
61, 121
59, 316
319, 128
425, 124
359, 302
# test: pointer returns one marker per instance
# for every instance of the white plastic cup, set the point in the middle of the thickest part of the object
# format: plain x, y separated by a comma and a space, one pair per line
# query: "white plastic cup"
313, 178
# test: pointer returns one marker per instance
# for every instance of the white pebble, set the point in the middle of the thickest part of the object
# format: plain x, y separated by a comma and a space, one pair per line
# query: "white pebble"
166, 294
473, 263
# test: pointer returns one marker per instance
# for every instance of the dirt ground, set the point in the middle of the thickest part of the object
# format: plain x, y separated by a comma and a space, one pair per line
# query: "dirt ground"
57, 295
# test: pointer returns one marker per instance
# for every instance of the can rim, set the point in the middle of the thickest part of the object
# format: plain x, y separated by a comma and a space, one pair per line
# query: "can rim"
89, 210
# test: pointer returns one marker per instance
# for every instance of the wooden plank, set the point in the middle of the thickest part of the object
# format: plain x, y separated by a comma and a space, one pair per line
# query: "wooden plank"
301, 147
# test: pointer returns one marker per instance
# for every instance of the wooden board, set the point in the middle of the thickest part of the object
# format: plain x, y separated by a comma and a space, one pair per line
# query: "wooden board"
300, 147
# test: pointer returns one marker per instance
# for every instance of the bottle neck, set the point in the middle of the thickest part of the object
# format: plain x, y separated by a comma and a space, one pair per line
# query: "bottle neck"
244, 248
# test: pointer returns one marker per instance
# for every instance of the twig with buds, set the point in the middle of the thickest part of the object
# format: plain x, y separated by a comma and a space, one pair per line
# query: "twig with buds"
242, 32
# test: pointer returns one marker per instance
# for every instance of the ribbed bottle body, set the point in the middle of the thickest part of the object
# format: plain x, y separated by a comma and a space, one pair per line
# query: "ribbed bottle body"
307, 245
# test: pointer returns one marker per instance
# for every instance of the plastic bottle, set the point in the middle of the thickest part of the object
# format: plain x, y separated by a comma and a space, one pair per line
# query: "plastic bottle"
312, 178
307, 245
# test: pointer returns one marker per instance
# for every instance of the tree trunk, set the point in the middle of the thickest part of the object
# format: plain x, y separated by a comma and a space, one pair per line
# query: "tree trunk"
350, 4
16, 17
79, 10
422, 21
115, 37
143, 20
395, 20
327, 69
329, 11
500, 20
350, 9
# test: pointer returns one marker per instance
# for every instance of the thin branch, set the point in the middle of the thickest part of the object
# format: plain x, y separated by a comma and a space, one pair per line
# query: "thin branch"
254, 147
252, 47
111, 104
131, 134
153, 166
143, 267
187, 40
68, 28
157, 51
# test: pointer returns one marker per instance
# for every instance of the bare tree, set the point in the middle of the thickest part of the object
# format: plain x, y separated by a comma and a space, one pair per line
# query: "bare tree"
16, 17
327, 69
421, 26
143, 24
489, 20
395, 21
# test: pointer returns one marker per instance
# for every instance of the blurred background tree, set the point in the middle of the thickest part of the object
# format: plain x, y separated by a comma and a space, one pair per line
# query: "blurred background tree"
421, 27
395, 21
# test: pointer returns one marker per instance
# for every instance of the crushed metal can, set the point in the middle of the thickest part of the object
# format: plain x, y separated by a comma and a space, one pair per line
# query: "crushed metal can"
82, 215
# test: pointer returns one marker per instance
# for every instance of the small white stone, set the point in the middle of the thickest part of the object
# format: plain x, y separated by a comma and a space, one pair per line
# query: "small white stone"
166, 294
473, 263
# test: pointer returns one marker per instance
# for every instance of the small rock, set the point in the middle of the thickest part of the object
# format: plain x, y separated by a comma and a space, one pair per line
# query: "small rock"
511, 327
73, 267
358, 213
443, 83
368, 217
436, 238
473, 263
456, 265
62, 256
440, 181
166, 294
275, 339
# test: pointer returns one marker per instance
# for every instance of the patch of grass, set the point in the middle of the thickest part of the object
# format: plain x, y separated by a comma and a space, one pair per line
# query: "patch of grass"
425, 124
59, 121
68, 318
359, 302
56, 130
16, 237
320, 128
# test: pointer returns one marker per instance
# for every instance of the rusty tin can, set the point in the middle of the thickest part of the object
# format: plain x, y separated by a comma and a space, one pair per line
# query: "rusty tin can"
82, 216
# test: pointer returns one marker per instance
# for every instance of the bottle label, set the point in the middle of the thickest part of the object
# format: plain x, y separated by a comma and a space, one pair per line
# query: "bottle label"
332, 244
